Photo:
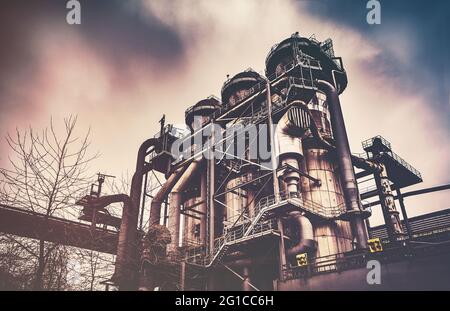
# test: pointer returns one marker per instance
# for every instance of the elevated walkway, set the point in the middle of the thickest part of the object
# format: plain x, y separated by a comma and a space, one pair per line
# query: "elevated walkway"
38, 226
400, 172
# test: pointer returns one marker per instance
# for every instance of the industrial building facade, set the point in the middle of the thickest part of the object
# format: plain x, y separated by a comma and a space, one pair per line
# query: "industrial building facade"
227, 218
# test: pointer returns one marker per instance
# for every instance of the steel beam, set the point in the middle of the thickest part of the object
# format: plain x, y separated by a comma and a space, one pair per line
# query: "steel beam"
34, 225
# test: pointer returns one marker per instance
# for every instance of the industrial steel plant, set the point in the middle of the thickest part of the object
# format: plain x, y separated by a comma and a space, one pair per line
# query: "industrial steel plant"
262, 192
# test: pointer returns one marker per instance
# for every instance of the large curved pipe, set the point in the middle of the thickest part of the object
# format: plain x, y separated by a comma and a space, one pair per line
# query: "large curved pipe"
316, 134
123, 261
366, 164
128, 277
306, 234
155, 208
347, 173
176, 200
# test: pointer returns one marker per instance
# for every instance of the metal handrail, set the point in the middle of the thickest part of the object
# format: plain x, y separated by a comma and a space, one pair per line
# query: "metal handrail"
243, 228
369, 142
400, 160
345, 261
302, 60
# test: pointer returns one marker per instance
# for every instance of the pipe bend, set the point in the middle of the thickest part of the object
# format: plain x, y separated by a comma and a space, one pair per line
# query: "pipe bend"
366, 164
126, 259
155, 208
326, 86
176, 199
288, 133
306, 234
103, 201
186, 176
151, 142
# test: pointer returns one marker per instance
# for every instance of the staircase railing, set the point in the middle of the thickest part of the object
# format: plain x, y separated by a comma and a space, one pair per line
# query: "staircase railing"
243, 228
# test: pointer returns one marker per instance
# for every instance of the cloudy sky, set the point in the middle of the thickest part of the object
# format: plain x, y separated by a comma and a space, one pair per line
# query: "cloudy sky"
131, 61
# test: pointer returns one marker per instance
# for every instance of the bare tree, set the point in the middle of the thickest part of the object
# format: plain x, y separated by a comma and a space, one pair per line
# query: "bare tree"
90, 269
48, 172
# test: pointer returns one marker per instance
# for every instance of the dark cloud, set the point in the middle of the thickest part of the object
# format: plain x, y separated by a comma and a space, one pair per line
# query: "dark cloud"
427, 24
122, 30
117, 31
18, 19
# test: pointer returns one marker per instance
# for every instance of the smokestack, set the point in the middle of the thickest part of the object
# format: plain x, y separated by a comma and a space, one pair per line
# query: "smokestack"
347, 173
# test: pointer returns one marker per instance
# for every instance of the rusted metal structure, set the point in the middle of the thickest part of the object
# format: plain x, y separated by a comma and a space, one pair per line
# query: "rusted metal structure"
287, 217
229, 212
230, 217
34, 225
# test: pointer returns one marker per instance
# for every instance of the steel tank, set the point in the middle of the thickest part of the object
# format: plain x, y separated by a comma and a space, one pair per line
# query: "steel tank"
332, 236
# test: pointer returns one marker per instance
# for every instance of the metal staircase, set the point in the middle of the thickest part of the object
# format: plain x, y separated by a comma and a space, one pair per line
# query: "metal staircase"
261, 224
300, 84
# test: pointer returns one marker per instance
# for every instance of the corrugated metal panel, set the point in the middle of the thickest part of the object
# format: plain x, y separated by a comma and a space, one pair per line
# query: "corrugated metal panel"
420, 225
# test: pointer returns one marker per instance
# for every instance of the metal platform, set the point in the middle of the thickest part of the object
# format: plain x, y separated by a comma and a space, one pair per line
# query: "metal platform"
400, 172
263, 223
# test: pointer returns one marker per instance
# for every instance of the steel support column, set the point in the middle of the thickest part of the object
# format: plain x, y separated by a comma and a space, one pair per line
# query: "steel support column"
404, 214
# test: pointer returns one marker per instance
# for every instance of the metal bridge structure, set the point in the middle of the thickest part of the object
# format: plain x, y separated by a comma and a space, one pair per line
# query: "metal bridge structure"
29, 224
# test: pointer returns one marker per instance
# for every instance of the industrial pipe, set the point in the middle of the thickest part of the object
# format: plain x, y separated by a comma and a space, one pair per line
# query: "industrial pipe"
155, 209
347, 173
176, 200
203, 208
357, 161
413, 193
276, 186
288, 144
122, 259
127, 256
306, 234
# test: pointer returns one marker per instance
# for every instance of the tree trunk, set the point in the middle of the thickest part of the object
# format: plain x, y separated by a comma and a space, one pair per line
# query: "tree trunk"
39, 279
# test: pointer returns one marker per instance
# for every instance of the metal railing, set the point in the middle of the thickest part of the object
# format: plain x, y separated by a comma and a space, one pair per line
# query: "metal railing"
201, 256
244, 227
402, 162
369, 142
329, 212
347, 261
302, 60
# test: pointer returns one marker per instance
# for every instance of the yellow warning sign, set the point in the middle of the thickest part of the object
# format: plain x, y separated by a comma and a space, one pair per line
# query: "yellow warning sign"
375, 245
302, 259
